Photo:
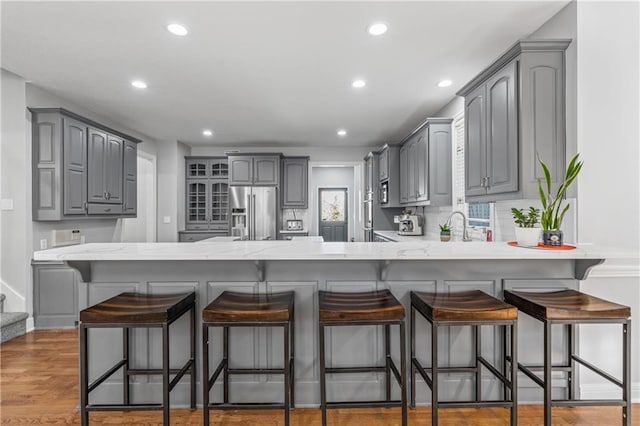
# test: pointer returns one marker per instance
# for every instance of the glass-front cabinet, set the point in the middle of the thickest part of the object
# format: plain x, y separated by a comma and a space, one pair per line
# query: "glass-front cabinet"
207, 194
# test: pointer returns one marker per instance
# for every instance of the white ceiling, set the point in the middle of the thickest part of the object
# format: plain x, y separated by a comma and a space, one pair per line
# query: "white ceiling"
262, 73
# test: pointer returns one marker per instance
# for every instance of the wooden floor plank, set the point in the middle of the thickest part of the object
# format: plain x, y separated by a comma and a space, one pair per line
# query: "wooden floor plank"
39, 386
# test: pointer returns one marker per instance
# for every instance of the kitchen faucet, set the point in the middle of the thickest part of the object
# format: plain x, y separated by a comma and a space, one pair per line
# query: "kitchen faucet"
465, 234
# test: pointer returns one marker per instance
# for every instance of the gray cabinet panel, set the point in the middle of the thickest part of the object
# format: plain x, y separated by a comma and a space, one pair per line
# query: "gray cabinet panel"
104, 209
197, 201
55, 296
207, 199
266, 170
96, 179
422, 169
368, 176
130, 198
475, 145
383, 173
197, 168
113, 169
502, 132
404, 174
295, 184
412, 158
75, 167
241, 170
440, 165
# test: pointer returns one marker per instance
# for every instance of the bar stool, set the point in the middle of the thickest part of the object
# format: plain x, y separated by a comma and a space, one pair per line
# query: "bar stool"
232, 309
134, 310
571, 308
473, 308
368, 308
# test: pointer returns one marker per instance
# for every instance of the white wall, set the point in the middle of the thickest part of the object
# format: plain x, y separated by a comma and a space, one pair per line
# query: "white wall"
608, 107
332, 177
15, 224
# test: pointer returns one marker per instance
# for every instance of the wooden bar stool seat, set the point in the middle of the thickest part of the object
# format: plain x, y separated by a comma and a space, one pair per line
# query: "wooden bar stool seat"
375, 308
136, 310
571, 308
233, 309
466, 308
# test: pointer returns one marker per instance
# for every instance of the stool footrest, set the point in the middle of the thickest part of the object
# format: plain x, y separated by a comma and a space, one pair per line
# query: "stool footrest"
531, 375
106, 375
336, 370
245, 405
255, 370
216, 373
151, 371
495, 372
463, 404
187, 366
364, 404
122, 407
598, 371
588, 402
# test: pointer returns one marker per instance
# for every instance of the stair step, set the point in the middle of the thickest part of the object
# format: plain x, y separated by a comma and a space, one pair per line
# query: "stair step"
12, 324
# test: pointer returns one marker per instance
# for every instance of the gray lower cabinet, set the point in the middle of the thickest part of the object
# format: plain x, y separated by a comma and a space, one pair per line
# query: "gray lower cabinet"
55, 295
246, 170
425, 165
81, 168
193, 236
514, 111
294, 185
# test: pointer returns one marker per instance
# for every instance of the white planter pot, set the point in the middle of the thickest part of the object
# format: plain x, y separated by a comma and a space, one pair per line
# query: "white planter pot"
527, 237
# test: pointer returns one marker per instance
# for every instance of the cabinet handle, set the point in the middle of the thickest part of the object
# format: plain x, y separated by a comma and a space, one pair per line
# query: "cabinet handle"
108, 195
107, 210
124, 207
85, 206
486, 182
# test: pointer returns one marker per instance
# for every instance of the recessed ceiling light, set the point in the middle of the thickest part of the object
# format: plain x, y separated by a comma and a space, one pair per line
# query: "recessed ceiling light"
377, 28
207, 132
139, 84
444, 83
177, 29
342, 132
359, 83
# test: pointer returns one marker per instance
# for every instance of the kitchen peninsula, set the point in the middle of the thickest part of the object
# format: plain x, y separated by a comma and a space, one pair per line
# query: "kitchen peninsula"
208, 268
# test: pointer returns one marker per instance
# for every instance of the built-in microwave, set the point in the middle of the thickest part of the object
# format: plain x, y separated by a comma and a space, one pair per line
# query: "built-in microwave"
384, 192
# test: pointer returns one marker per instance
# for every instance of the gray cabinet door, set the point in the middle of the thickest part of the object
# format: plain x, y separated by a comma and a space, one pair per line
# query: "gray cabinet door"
502, 131
404, 165
113, 169
196, 216
266, 170
197, 168
440, 167
75, 166
130, 203
368, 176
96, 192
422, 167
218, 168
475, 142
55, 296
241, 170
219, 203
412, 163
383, 165
294, 183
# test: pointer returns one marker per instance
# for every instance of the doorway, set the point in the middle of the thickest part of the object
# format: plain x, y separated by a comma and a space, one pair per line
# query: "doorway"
142, 228
333, 222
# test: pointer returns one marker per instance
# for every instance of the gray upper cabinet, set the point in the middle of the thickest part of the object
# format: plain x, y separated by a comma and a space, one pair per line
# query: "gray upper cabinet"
383, 170
206, 198
368, 175
130, 164
294, 183
205, 168
514, 110
254, 169
81, 168
425, 165
389, 159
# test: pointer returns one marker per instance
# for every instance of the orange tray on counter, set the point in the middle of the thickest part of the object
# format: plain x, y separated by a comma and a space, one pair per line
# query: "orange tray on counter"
543, 247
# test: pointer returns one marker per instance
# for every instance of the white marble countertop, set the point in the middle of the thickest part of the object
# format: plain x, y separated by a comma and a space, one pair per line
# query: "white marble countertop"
309, 250
393, 235
293, 231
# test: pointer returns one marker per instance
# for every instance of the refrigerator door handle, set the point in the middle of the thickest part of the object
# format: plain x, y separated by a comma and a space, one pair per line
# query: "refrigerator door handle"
249, 214
253, 216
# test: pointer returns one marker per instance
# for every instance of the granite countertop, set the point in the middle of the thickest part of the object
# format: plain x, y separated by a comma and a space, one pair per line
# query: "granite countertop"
310, 250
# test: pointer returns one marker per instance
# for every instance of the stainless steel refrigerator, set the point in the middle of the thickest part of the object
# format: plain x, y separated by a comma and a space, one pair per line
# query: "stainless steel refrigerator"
253, 212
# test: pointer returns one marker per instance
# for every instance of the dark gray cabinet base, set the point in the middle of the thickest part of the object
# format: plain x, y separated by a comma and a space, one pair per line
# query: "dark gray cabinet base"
55, 295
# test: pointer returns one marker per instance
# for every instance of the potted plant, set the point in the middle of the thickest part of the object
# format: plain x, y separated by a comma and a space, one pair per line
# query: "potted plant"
527, 235
445, 232
552, 210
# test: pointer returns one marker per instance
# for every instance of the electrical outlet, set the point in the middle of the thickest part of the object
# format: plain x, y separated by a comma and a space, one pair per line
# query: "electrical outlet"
43, 244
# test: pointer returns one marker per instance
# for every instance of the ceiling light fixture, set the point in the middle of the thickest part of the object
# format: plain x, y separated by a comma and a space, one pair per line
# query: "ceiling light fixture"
139, 84
377, 28
342, 132
207, 132
358, 84
444, 83
177, 29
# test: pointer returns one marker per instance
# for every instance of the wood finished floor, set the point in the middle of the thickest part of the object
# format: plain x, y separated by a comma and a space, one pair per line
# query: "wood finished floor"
39, 385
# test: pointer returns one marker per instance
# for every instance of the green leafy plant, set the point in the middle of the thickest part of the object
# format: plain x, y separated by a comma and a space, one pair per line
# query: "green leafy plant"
552, 210
527, 220
444, 228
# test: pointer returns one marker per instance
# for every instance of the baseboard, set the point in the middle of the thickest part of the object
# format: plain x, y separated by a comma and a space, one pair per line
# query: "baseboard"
15, 302
30, 324
598, 391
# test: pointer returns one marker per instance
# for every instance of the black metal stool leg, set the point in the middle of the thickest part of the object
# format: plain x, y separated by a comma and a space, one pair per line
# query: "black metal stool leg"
478, 353
165, 374
387, 360
626, 372
547, 373
403, 373
323, 377
225, 356
84, 375
412, 326
292, 363
505, 354
434, 373
192, 329
514, 372
571, 374
286, 375
125, 367
205, 373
